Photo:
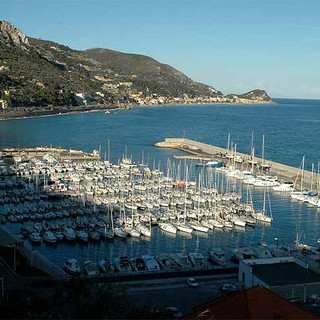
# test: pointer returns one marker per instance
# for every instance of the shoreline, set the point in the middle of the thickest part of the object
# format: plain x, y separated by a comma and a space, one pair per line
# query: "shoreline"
50, 113
12, 115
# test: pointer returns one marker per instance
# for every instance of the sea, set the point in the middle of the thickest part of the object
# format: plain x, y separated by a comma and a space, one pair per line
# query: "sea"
290, 128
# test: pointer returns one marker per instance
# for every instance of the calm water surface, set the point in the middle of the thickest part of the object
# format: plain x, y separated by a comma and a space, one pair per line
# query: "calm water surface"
291, 130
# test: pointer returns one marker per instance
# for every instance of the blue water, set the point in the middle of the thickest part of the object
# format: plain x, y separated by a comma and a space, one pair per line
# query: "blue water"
291, 129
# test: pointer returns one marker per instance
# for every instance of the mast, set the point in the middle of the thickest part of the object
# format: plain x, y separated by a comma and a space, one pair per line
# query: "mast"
185, 196
302, 173
228, 144
108, 150
252, 143
262, 152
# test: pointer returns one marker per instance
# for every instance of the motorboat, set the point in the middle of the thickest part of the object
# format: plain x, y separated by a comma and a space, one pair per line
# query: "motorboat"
144, 230
151, 263
167, 262
123, 264
69, 234
286, 186
35, 237
182, 260
82, 235
138, 264
197, 259
217, 255
72, 267
120, 232
49, 237
91, 268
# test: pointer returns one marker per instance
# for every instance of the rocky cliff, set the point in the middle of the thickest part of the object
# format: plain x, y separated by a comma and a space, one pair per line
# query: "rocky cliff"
45, 74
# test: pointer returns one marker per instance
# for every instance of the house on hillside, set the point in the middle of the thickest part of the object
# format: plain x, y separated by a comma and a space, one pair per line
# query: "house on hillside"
3, 104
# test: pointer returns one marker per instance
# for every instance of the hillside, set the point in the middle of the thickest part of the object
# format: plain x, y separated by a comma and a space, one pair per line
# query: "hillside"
42, 74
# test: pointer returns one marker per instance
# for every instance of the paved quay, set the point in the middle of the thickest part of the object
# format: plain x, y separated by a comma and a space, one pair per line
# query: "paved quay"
58, 153
201, 151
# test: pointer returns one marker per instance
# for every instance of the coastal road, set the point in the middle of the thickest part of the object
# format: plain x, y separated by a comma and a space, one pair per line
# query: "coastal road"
176, 292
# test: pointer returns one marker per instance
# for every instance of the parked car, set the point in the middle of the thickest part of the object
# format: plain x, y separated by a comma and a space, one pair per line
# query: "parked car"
192, 283
229, 288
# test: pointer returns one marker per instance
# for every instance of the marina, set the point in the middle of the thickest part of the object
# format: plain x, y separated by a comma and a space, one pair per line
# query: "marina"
204, 152
92, 202
64, 196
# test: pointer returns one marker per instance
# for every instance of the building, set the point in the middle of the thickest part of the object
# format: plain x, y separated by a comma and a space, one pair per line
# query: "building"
3, 104
285, 276
253, 303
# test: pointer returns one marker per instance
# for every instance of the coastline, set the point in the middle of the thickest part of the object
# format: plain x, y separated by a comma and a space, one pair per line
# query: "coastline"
16, 114
12, 115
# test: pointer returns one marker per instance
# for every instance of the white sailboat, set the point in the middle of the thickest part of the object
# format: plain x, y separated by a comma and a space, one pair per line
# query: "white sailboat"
183, 226
299, 195
262, 215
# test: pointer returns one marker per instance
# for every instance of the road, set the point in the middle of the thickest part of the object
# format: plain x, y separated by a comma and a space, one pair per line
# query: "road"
176, 292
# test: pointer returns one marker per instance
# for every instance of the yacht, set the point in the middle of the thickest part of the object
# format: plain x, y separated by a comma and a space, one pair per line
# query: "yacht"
82, 235
105, 266
167, 262
196, 225
72, 267
120, 232
182, 260
144, 230
217, 255
35, 237
260, 216
69, 234
151, 263
197, 259
49, 237
183, 227
138, 264
168, 227
123, 264
286, 186
91, 268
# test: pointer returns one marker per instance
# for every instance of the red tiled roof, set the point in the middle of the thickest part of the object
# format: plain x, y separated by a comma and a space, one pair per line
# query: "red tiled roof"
254, 303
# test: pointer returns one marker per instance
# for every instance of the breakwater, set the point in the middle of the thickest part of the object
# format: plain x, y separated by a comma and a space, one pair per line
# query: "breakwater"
199, 150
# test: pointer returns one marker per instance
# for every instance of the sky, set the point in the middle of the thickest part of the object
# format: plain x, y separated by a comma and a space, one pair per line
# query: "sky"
233, 45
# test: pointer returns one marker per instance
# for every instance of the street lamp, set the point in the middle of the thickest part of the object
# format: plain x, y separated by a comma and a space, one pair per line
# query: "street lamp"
277, 241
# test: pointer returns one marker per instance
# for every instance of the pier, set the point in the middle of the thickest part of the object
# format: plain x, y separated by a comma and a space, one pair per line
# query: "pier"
58, 153
199, 151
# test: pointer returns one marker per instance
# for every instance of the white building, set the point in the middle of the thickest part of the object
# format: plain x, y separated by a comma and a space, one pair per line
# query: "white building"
285, 276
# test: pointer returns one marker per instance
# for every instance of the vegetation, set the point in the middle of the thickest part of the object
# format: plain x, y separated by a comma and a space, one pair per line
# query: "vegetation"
43, 74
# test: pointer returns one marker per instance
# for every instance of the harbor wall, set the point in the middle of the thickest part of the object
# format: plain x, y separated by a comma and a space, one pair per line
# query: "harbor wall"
285, 172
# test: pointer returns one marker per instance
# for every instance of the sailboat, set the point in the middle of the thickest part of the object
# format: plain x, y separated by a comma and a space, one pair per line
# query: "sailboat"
183, 226
262, 215
299, 195
109, 232
263, 164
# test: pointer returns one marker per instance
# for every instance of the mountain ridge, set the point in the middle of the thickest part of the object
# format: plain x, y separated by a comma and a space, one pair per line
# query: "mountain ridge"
37, 73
